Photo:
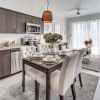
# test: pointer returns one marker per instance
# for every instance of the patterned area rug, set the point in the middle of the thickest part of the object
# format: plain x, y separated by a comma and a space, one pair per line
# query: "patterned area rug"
94, 64
14, 92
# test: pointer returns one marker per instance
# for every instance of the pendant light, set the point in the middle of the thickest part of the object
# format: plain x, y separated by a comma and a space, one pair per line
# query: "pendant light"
47, 15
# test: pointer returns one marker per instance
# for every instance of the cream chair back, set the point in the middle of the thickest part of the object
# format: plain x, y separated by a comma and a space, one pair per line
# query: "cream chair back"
43, 48
27, 51
79, 62
68, 72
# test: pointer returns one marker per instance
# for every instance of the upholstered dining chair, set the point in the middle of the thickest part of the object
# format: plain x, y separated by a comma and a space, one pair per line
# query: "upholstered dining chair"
62, 80
79, 65
29, 71
43, 48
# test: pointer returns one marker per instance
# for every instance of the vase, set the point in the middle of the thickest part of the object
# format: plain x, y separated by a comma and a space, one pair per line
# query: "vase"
51, 47
88, 50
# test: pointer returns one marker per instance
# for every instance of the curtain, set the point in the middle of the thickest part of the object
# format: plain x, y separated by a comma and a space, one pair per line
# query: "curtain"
86, 30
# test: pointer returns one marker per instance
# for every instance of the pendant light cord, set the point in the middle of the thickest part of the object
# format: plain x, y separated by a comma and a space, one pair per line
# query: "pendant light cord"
47, 4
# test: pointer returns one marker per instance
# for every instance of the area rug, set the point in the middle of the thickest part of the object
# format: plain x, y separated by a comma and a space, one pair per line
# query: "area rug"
14, 92
94, 64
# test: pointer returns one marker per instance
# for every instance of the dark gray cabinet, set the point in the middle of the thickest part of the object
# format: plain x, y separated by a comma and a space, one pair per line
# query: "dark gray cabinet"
8, 21
18, 23
5, 63
32, 19
21, 23
29, 19
2, 21
37, 20
14, 22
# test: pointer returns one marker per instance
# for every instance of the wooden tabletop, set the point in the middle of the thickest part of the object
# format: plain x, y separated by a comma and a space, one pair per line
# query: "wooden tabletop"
39, 62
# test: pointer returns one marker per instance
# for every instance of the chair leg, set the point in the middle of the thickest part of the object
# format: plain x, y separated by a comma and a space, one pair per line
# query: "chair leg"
37, 86
80, 79
23, 82
73, 92
61, 97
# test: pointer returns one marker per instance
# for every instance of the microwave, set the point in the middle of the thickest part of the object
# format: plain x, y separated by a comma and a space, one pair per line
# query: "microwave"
33, 28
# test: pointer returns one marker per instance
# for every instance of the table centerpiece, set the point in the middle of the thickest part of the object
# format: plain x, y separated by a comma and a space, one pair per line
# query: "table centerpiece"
52, 39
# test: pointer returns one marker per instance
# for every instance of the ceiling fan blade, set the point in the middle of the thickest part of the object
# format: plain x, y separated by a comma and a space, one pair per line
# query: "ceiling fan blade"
83, 8
75, 9
71, 9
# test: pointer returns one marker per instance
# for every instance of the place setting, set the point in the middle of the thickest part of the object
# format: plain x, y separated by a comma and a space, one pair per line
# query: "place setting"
62, 53
49, 59
37, 56
44, 59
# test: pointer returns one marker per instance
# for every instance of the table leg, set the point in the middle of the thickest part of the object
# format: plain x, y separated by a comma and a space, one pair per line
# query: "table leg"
23, 78
48, 86
37, 87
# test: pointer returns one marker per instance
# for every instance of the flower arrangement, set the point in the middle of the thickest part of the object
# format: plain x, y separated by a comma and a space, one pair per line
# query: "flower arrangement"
88, 42
52, 38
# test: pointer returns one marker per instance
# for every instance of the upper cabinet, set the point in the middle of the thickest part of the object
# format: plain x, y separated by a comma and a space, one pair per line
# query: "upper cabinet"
21, 23
2, 21
29, 19
32, 19
37, 20
14, 22
8, 21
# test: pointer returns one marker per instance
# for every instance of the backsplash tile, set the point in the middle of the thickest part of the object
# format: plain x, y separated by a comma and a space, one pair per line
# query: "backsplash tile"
16, 37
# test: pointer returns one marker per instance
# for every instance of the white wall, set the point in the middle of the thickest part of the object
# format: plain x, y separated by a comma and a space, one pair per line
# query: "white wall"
31, 7
24, 6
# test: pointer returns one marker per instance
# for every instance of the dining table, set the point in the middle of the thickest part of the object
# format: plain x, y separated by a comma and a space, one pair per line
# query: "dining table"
45, 68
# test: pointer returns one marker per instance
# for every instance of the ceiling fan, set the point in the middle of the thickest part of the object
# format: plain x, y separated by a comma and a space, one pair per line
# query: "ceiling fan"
76, 11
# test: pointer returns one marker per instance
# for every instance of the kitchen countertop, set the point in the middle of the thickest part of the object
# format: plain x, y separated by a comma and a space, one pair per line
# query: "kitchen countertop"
12, 47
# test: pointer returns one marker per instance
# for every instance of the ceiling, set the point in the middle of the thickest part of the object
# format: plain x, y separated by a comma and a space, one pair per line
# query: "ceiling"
61, 7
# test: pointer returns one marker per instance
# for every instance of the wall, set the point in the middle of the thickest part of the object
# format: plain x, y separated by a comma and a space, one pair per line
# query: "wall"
80, 18
31, 7
16, 37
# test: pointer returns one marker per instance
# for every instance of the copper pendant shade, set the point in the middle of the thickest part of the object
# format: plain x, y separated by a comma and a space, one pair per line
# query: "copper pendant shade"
47, 15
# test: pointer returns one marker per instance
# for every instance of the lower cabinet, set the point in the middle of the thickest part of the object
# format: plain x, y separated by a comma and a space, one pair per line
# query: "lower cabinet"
5, 63
10, 62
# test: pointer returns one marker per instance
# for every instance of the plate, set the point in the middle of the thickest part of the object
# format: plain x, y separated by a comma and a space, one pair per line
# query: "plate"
49, 63
38, 56
46, 60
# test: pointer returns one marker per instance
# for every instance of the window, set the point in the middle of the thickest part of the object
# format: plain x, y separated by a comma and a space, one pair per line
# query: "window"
85, 30
47, 28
